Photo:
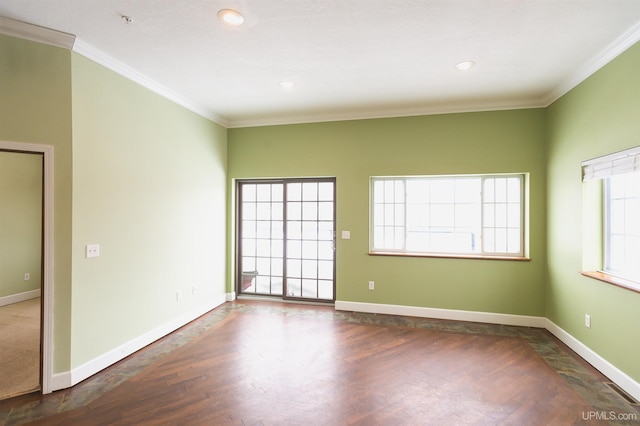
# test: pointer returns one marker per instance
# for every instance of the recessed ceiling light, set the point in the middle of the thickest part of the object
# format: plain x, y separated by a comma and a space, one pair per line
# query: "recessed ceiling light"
230, 16
287, 84
466, 65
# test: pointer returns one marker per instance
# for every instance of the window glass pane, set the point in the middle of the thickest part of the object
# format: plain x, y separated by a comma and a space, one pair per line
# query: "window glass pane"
248, 263
263, 248
309, 250
398, 214
263, 266
310, 288
248, 229
325, 211
378, 214
277, 192
501, 240
310, 191
263, 284
248, 192
399, 191
325, 289
248, 247
263, 229
294, 287
488, 193
276, 211
294, 268
417, 191
294, 211
513, 189
501, 215
294, 249
467, 191
442, 215
276, 266
276, 229
442, 191
309, 211
263, 193
294, 191
325, 191
325, 231
277, 247
325, 270
389, 193
309, 230
378, 191
513, 215
248, 211
309, 269
500, 190
513, 240
263, 211
325, 250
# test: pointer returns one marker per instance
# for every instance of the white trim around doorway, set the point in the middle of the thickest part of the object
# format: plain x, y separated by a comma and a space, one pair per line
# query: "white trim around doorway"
47, 254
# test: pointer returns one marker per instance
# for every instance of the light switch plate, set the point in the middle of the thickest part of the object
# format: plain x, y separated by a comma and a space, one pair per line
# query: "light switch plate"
346, 235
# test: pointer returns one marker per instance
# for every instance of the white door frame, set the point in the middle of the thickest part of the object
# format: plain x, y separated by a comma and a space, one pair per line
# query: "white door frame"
47, 255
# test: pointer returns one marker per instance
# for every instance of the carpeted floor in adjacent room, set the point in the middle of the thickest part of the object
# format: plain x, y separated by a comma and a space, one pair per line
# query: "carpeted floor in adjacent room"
19, 348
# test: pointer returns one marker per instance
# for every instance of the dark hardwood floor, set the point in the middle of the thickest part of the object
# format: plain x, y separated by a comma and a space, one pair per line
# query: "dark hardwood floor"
263, 363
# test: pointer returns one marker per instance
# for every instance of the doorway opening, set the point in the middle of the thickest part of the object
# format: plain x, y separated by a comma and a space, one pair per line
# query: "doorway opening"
42, 275
286, 238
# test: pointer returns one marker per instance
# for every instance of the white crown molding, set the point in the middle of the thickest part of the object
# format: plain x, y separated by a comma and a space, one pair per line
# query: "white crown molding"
96, 55
32, 32
613, 50
451, 108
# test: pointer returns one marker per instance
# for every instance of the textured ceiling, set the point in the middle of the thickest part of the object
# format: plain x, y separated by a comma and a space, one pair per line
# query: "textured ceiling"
347, 58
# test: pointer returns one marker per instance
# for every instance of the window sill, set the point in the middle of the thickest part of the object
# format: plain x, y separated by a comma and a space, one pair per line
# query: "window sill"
617, 281
450, 256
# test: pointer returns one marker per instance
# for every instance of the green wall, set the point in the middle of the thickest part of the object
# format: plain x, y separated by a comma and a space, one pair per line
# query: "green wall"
139, 175
149, 187
20, 222
35, 107
352, 151
598, 117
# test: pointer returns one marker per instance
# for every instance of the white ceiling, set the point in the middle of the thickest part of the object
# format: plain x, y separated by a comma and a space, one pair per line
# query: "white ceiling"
348, 58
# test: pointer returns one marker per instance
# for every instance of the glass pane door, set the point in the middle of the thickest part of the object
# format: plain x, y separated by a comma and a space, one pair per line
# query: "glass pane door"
286, 238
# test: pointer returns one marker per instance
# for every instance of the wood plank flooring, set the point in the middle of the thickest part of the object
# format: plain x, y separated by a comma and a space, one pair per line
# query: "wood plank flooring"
263, 363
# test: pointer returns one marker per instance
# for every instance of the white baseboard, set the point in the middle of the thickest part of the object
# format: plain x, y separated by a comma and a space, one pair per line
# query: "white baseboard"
605, 367
231, 296
70, 378
448, 314
20, 297
617, 376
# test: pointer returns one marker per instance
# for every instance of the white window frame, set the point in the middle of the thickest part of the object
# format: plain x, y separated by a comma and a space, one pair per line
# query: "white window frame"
604, 169
480, 227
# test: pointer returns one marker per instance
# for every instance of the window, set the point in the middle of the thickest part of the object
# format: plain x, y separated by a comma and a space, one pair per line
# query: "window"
466, 215
618, 175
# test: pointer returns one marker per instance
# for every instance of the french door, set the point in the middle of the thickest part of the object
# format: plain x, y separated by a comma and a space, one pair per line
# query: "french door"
286, 238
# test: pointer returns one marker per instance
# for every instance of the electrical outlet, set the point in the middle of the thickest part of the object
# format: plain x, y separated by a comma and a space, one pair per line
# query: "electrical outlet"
371, 285
587, 320
194, 290
178, 296
92, 250
27, 276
